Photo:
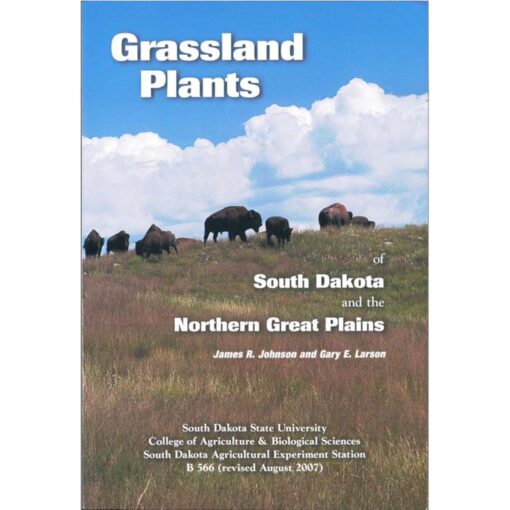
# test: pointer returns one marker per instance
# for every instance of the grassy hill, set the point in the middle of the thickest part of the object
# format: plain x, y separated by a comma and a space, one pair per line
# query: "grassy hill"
141, 379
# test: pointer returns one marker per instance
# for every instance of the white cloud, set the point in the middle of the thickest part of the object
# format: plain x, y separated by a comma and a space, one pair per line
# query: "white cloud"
283, 137
134, 181
378, 141
386, 133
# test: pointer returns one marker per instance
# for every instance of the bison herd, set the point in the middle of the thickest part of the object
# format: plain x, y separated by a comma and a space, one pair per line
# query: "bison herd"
235, 220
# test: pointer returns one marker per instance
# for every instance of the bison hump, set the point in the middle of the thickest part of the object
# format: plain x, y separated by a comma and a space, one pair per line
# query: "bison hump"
153, 228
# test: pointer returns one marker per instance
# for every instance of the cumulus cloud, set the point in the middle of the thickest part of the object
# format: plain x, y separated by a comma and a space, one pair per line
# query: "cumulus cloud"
363, 147
133, 181
283, 138
386, 133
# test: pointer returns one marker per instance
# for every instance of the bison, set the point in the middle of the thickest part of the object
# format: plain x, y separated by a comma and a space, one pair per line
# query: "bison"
139, 247
153, 228
118, 243
168, 241
152, 244
168, 238
155, 242
235, 220
335, 215
278, 226
362, 221
93, 244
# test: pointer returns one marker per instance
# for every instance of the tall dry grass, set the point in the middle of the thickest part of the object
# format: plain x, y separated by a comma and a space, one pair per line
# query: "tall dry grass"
141, 379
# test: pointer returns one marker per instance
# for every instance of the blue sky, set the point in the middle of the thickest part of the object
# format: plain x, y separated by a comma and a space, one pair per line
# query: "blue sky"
382, 44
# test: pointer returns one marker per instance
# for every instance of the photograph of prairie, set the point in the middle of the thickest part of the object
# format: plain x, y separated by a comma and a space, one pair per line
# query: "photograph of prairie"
141, 379
225, 140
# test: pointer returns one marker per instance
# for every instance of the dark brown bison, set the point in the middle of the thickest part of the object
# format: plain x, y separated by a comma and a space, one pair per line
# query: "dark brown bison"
118, 243
139, 247
235, 220
335, 215
278, 226
93, 244
362, 221
155, 242
168, 241
152, 244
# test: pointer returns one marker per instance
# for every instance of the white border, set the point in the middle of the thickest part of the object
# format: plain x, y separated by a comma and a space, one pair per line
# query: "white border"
40, 203
469, 159
40, 256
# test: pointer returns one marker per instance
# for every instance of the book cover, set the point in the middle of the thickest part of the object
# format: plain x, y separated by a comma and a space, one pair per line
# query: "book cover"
255, 251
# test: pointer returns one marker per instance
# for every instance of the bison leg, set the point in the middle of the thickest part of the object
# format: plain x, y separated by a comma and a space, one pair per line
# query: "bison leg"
174, 245
231, 236
242, 235
215, 237
206, 235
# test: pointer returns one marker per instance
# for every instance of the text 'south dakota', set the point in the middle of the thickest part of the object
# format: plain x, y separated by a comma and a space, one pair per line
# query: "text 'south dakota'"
322, 281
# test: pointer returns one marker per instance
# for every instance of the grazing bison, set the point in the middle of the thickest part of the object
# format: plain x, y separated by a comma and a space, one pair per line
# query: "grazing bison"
139, 247
155, 241
334, 215
118, 243
152, 244
235, 220
93, 244
278, 226
168, 241
362, 221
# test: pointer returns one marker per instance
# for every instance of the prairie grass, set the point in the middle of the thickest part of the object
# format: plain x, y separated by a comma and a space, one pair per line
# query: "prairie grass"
142, 379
